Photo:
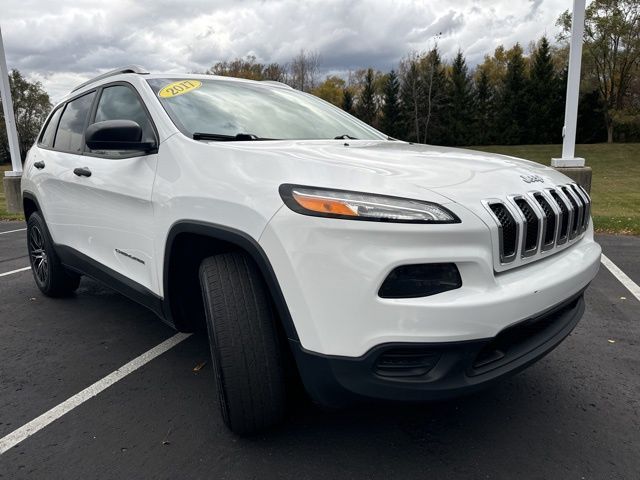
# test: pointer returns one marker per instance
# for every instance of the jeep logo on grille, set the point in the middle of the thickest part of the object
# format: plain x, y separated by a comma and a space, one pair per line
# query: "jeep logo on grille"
532, 178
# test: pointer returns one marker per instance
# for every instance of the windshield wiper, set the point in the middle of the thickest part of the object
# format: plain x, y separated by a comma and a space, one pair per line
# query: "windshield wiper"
219, 137
344, 136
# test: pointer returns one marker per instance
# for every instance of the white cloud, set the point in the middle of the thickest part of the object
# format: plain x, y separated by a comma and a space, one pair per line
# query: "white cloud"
63, 43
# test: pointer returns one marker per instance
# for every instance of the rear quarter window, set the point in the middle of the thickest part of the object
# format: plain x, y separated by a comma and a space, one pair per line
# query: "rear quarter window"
49, 133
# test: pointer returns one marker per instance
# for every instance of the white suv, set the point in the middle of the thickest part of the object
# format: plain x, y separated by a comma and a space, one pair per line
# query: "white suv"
308, 242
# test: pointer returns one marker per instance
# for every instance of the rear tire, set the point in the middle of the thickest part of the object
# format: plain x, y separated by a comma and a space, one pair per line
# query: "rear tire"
244, 343
51, 277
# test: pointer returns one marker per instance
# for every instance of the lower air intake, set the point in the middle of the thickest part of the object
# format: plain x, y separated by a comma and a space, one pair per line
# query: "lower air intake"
407, 362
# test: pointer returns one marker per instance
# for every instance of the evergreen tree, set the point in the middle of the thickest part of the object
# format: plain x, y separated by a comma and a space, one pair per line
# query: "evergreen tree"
484, 112
558, 106
347, 100
434, 100
391, 108
411, 93
513, 105
459, 104
591, 129
366, 107
543, 92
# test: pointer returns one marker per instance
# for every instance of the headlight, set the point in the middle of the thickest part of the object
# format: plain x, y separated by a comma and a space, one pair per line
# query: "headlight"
321, 202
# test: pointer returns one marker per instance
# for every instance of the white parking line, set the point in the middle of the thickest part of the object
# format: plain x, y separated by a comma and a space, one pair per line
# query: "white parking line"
13, 231
15, 271
24, 432
622, 277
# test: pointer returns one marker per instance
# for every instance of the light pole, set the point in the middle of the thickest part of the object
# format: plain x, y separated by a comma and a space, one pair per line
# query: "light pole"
11, 178
569, 164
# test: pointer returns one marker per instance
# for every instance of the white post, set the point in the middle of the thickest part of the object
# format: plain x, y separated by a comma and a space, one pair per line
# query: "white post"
9, 117
573, 90
12, 179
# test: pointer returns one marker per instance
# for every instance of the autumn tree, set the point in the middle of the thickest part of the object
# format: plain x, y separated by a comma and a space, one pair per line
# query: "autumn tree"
331, 90
249, 68
495, 66
303, 70
275, 72
31, 105
246, 67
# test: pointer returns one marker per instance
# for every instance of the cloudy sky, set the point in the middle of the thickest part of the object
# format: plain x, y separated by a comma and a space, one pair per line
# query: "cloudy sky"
62, 43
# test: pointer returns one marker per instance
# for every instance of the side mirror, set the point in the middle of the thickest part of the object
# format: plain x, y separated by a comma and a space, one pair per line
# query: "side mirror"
116, 135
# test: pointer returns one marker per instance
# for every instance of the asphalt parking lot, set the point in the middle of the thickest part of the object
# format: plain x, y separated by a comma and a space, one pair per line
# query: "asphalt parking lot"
575, 414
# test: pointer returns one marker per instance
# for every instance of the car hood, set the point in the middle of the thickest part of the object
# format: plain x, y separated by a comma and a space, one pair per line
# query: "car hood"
403, 169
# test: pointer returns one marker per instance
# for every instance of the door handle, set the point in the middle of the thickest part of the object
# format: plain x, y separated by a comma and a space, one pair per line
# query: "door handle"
82, 172
39, 165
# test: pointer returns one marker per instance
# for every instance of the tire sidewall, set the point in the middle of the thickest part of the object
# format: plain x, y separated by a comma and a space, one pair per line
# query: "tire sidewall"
213, 348
36, 221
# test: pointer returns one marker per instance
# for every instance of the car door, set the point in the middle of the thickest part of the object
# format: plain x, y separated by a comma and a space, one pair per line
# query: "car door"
110, 215
41, 166
59, 153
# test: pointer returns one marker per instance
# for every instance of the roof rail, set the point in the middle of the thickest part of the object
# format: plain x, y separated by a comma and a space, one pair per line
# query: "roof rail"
128, 69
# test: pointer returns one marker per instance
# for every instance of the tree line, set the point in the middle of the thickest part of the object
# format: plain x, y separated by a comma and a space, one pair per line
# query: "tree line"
508, 99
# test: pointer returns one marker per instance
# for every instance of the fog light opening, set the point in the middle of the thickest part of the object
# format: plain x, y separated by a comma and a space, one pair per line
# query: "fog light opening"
422, 280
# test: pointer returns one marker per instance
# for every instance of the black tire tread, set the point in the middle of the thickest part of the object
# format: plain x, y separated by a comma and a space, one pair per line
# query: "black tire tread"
244, 342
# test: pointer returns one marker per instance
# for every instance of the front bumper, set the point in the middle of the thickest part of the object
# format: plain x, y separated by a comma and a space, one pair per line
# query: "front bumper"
457, 368
330, 272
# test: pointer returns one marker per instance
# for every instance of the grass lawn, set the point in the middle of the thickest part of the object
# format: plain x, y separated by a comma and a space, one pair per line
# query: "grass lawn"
615, 190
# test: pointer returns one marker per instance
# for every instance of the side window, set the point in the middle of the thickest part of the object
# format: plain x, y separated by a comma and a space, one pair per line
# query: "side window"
121, 103
46, 140
70, 136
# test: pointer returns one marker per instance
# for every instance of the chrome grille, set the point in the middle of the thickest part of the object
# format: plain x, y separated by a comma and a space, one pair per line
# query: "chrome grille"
584, 200
550, 220
539, 223
565, 217
530, 231
508, 228
577, 211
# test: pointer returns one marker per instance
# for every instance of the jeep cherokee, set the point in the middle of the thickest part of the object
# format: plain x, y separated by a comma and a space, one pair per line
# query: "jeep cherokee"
308, 243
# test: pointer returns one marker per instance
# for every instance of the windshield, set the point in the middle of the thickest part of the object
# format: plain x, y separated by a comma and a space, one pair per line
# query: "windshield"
253, 111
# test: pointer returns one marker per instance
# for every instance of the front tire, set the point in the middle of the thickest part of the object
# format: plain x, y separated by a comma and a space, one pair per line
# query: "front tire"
51, 277
244, 343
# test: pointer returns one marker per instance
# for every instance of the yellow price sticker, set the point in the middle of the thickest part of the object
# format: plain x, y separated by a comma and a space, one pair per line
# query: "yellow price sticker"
179, 88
